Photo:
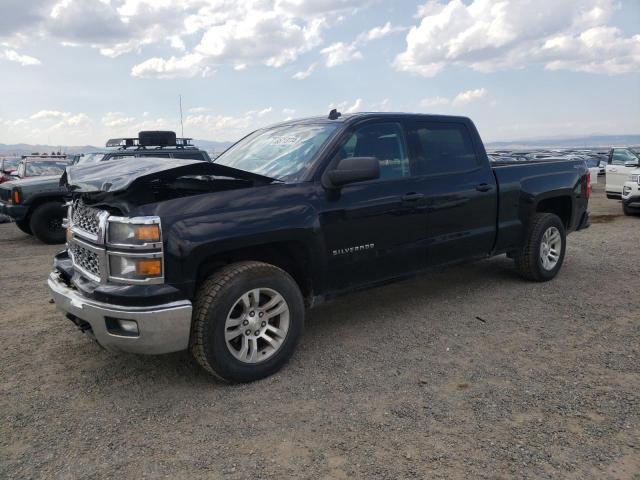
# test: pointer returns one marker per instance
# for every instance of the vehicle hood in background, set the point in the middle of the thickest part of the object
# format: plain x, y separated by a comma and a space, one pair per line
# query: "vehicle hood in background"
34, 181
118, 175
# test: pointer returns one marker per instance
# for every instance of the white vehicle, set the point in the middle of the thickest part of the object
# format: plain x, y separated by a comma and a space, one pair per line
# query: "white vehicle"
621, 162
631, 194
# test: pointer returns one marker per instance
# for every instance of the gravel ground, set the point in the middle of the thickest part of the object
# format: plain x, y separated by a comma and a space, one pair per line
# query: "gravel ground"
471, 372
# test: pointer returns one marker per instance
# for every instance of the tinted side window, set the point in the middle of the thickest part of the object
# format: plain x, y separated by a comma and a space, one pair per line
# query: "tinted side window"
443, 148
383, 141
620, 156
189, 155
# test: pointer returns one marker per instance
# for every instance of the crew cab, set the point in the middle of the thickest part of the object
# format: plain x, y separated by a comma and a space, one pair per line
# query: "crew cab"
37, 204
224, 258
621, 161
631, 194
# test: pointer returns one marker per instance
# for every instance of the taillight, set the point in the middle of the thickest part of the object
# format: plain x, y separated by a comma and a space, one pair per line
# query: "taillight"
587, 192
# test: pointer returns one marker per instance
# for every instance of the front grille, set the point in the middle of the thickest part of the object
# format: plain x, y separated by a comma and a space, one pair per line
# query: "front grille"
5, 194
85, 259
85, 218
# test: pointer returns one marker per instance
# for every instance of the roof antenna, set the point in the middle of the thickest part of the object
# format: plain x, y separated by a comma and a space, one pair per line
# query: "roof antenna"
181, 124
334, 114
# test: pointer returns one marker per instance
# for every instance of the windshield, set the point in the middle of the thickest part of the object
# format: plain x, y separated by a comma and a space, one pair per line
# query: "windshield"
283, 153
89, 158
49, 167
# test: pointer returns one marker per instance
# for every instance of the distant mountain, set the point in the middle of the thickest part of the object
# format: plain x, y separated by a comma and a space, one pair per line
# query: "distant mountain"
566, 142
26, 149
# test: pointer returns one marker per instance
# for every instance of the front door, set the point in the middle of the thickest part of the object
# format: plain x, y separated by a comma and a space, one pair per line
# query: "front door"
616, 172
375, 230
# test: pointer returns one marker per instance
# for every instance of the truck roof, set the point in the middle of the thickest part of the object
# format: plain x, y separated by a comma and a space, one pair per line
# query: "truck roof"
352, 117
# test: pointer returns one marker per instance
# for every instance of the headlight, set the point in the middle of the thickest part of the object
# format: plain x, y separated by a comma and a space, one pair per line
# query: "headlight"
134, 250
138, 232
136, 268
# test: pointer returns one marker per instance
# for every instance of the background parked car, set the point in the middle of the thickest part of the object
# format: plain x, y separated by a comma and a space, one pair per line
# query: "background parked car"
631, 194
39, 208
8, 165
621, 162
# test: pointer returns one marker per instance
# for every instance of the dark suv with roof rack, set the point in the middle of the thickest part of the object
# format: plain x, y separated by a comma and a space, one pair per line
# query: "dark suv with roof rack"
37, 204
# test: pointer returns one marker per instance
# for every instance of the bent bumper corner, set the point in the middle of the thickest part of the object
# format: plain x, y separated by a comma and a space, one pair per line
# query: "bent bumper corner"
161, 328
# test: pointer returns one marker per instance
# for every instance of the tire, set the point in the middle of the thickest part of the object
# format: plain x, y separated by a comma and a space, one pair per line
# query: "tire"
24, 227
529, 261
630, 212
225, 298
46, 222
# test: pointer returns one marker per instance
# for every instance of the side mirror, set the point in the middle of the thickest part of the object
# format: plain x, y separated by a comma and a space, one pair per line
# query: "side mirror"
631, 163
351, 170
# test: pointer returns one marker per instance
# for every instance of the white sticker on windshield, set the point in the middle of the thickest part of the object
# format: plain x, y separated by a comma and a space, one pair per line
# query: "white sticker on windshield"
284, 140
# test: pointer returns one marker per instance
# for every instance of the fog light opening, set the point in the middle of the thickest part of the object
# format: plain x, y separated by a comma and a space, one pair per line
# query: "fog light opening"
122, 327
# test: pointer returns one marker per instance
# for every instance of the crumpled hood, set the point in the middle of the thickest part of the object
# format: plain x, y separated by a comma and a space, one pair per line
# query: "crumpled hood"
118, 175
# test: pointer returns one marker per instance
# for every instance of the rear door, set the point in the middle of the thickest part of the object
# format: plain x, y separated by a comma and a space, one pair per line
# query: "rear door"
616, 172
375, 230
460, 191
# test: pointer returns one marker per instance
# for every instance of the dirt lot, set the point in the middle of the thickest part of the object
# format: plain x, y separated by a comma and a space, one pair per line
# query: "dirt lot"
469, 372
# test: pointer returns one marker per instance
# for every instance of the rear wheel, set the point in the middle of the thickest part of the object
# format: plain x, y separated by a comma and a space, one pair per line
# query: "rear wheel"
543, 253
248, 317
46, 222
23, 225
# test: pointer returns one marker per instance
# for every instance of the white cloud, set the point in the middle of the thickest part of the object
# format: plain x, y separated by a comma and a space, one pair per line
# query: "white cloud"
303, 74
187, 66
273, 33
348, 107
339, 53
13, 56
434, 102
343, 52
116, 120
377, 33
469, 96
488, 36
460, 99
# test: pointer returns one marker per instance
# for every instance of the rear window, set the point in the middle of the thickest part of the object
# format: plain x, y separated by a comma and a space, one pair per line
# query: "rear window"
443, 148
40, 168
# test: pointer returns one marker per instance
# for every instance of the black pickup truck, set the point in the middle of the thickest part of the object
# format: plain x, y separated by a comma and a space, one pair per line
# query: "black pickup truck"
224, 258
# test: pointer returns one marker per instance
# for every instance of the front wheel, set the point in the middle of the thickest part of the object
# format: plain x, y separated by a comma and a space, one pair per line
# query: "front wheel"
628, 211
543, 253
247, 318
46, 222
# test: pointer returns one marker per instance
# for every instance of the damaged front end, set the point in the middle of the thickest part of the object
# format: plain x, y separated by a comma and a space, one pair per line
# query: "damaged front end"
116, 253
146, 180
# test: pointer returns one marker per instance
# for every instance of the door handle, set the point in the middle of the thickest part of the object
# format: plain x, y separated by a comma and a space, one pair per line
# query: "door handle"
484, 187
412, 197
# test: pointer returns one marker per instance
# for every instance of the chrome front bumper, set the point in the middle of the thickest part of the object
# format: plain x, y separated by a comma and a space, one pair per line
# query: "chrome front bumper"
161, 328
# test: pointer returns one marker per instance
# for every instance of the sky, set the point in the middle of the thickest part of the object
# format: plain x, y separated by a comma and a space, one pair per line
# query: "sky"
76, 72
